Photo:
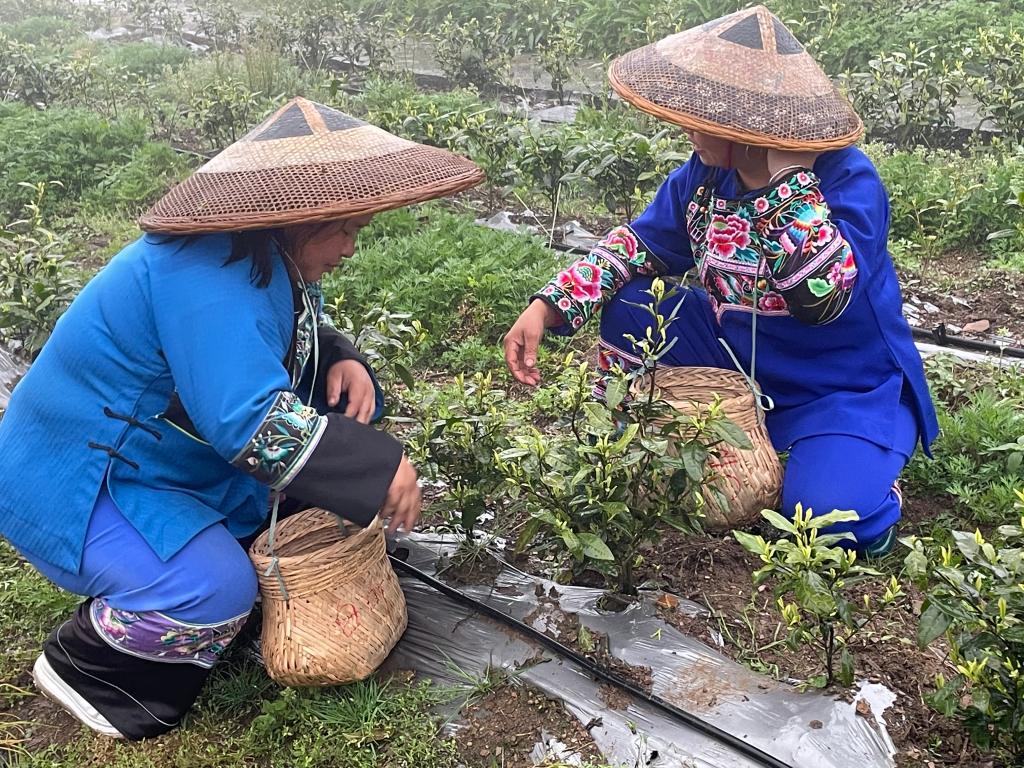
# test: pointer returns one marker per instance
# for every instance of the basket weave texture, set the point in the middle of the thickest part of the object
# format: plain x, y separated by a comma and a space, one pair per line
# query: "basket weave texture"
742, 77
344, 610
308, 163
750, 480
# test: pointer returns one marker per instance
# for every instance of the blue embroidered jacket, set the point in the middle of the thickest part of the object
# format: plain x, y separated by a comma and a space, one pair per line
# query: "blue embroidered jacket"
833, 349
175, 377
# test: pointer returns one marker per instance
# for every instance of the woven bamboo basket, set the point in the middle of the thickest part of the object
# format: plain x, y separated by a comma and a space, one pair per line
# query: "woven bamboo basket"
341, 610
750, 480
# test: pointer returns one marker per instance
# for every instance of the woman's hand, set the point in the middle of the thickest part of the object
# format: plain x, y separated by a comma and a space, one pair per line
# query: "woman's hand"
781, 160
524, 337
404, 500
350, 377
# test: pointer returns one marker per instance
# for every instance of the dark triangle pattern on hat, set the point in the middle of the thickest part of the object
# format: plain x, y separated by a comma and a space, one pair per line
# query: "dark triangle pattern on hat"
304, 164
744, 77
290, 124
746, 32
335, 120
785, 42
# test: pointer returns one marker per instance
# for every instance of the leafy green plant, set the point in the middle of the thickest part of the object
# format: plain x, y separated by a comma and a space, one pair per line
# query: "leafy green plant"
815, 585
453, 438
387, 339
475, 52
37, 281
623, 166
998, 61
38, 76
607, 490
907, 96
975, 599
559, 52
542, 158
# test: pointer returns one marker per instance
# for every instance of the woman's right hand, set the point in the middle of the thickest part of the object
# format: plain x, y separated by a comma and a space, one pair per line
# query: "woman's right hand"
404, 500
524, 337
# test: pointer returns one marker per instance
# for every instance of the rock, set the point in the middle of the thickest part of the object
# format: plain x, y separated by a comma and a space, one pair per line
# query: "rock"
564, 113
930, 308
977, 326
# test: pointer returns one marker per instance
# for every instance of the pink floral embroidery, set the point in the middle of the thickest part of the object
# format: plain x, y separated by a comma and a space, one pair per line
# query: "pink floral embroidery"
761, 204
564, 303
803, 179
725, 235
843, 275
772, 302
623, 238
582, 281
785, 191
825, 233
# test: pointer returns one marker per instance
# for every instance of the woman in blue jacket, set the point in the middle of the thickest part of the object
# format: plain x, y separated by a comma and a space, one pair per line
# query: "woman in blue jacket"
785, 224
192, 377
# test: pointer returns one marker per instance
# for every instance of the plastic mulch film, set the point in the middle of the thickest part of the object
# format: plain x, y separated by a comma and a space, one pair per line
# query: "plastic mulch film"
447, 641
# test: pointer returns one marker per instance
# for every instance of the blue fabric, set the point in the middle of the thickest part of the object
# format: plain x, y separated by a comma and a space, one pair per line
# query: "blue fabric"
165, 315
845, 377
825, 471
209, 581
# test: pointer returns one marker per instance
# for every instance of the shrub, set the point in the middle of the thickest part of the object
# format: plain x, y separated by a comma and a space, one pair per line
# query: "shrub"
998, 62
38, 76
975, 598
75, 147
815, 587
39, 29
606, 490
144, 60
134, 186
37, 281
474, 52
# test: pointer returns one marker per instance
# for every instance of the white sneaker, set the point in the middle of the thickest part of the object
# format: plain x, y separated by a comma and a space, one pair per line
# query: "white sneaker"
55, 689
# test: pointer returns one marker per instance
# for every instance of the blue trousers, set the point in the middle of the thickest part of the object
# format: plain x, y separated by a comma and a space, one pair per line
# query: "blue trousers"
211, 580
824, 472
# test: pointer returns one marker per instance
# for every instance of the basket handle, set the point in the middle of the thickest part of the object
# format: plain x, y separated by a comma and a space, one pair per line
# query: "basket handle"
275, 561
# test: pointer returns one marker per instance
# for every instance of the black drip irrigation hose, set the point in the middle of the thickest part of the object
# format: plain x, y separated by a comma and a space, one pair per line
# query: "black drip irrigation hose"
702, 726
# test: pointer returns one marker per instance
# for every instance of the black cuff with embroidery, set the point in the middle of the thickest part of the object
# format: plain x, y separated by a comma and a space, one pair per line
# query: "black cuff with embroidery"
350, 470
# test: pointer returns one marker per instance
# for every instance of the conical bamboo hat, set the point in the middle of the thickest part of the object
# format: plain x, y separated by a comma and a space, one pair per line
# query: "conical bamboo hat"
308, 163
742, 77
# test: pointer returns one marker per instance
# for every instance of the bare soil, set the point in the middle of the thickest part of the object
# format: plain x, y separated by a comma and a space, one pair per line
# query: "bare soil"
504, 727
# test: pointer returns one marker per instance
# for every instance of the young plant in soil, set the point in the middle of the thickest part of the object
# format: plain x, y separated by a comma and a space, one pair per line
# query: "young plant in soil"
975, 598
621, 469
815, 585
455, 434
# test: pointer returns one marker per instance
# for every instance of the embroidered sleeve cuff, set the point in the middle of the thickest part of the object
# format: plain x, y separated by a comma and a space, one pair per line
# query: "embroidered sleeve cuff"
579, 291
283, 442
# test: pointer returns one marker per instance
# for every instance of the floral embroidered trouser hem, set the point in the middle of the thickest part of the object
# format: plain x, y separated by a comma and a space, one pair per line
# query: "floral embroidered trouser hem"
141, 671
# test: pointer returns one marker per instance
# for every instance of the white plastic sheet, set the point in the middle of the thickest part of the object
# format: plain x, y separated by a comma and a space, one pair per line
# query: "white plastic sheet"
447, 641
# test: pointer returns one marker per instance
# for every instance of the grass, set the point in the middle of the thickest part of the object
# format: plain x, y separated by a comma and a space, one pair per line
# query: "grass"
242, 718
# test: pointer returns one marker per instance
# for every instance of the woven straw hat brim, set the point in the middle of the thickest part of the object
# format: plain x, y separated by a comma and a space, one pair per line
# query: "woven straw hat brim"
308, 164
774, 95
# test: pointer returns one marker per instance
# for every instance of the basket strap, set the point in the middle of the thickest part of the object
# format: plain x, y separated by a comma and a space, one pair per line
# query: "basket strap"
763, 402
275, 561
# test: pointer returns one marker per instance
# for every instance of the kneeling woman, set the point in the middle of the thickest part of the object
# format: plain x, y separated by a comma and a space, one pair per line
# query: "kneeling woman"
786, 225
193, 376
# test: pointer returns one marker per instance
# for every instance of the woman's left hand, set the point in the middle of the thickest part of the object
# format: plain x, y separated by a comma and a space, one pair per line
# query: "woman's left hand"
350, 377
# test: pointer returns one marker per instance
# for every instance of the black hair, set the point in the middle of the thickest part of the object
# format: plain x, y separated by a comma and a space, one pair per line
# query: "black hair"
255, 244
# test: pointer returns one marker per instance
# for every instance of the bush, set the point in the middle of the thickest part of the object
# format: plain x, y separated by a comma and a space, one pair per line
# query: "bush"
131, 188
460, 280
39, 29
815, 588
622, 470
475, 52
970, 462
77, 148
144, 60
975, 598
39, 76
998, 60
37, 281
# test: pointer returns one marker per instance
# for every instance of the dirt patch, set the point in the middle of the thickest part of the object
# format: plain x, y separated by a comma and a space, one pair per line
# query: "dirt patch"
481, 568
614, 697
567, 629
34, 720
505, 727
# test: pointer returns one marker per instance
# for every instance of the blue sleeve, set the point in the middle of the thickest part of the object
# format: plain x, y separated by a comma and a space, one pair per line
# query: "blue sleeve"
661, 228
225, 342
